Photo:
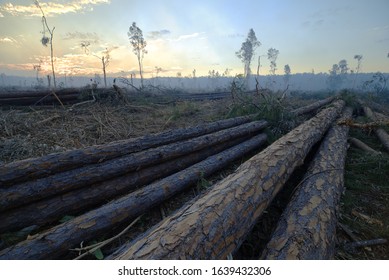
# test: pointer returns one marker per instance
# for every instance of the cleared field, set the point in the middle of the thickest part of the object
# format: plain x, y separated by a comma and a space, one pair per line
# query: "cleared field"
28, 132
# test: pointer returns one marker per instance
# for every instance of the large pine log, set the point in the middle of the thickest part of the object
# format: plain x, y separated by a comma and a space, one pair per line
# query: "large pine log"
216, 224
307, 227
380, 132
34, 168
312, 107
57, 241
28, 192
52, 209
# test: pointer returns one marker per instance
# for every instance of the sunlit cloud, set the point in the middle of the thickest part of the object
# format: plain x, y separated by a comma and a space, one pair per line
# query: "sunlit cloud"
50, 8
1, 15
85, 36
8, 40
188, 36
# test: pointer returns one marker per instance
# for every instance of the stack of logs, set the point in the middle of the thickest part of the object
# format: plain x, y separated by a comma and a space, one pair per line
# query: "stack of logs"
211, 226
102, 184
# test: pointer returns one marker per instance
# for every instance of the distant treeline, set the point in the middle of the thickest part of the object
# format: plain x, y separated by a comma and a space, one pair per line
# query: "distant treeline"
294, 82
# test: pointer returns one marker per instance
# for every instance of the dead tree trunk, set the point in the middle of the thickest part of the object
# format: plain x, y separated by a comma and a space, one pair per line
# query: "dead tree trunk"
57, 241
28, 192
34, 168
380, 132
307, 227
49, 210
312, 107
216, 224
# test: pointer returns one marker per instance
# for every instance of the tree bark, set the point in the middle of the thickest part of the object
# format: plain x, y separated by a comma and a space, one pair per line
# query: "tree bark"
359, 144
49, 210
312, 107
56, 242
380, 132
307, 227
35, 168
215, 225
28, 192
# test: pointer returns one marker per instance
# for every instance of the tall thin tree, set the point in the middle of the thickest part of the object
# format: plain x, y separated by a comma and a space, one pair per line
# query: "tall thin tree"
46, 40
272, 55
105, 58
138, 44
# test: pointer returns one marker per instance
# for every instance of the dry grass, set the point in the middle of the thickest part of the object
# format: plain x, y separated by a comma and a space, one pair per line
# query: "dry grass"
32, 132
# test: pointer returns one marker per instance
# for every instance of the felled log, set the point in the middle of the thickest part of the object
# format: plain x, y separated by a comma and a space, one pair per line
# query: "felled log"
307, 228
49, 210
28, 192
39, 93
215, 225
359, 144
34, 168
29, 101
57, 241
312, 107
380, 132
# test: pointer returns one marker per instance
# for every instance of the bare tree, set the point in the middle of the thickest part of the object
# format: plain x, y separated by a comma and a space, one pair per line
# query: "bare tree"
139, 44
343, 67
105, 58
46, 40
272, 55
334, 80
287, 72
247, 51
358, 57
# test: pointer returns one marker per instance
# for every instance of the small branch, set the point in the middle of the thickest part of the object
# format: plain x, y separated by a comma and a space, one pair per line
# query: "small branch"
84, 102
348, 231
365, 243
92, 248
359, 144
48, 119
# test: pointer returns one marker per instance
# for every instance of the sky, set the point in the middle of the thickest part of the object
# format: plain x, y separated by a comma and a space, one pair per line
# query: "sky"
185, 35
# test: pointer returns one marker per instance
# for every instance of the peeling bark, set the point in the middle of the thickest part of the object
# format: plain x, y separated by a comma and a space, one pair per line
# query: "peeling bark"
307, 227
312, 107
56, 242
215, 225
34, 168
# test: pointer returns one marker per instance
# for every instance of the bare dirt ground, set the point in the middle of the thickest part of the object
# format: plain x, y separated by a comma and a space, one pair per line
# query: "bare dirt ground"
27, 132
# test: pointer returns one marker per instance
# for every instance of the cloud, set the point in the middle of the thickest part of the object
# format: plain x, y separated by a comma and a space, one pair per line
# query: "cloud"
9, 40
158, 34
1, 15
50, 8
235, 35
314, 24
85, 36
379, 28
188, 36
